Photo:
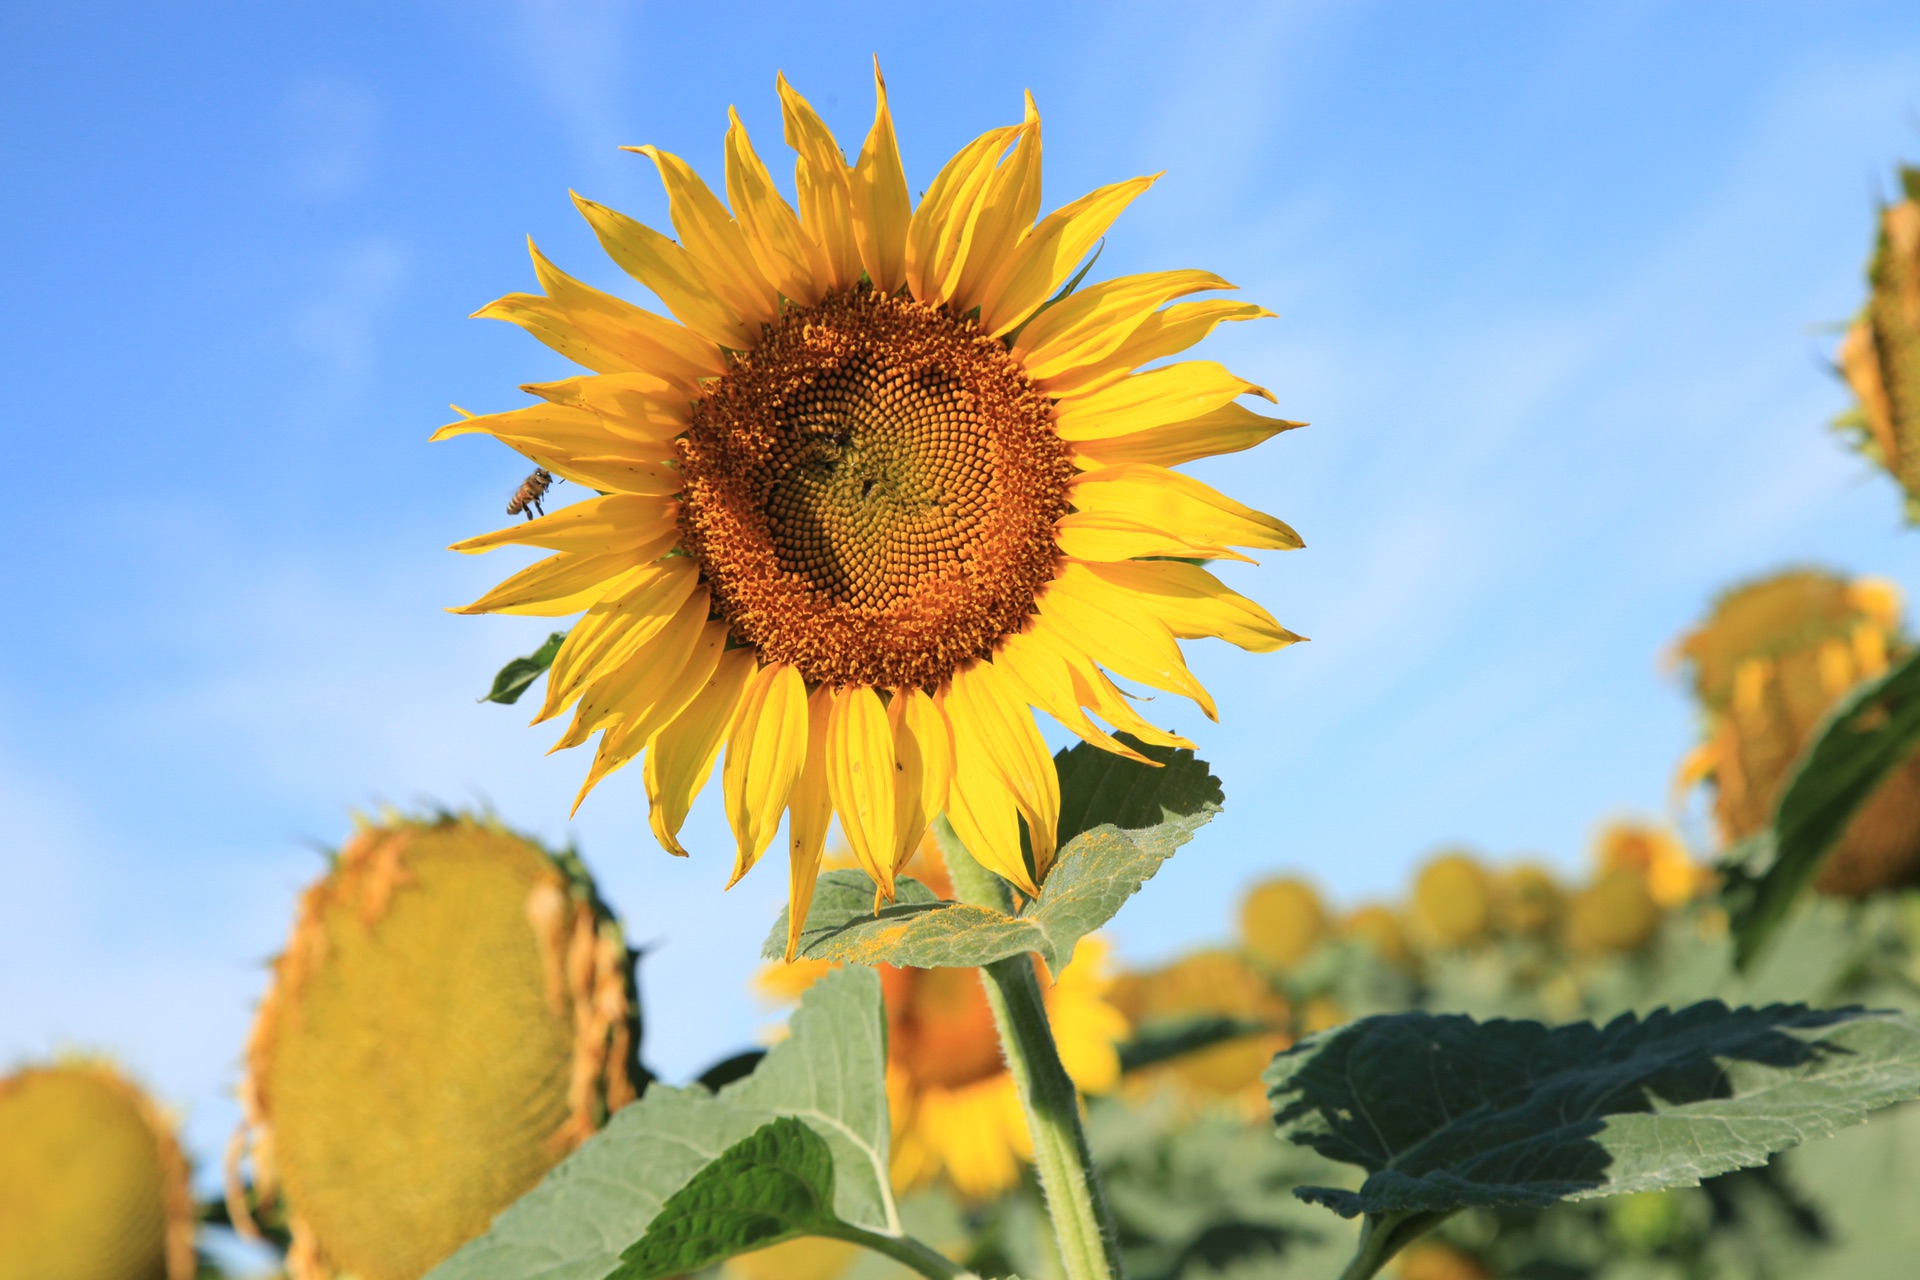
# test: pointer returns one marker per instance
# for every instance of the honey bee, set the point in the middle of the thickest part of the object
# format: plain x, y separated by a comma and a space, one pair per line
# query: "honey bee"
531, 493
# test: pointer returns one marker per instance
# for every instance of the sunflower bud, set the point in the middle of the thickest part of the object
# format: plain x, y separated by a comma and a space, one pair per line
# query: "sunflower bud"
1880, 355
453, 1014
1282, 921
1453, 900
92, 1182
1767, 666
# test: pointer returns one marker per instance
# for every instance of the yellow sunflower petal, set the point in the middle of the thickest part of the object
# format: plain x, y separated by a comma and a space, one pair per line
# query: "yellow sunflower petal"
614, 629
993, 731
1093, 690
786, 255
620, 475
1195, 604
655, 687
605, 333
1152, 398
636, 685
1112, 627
1089, 324
821, 179
1104, 536
1007, 208
809, 814
766, 747
983, 815
635, 406
576, 444
882, 209
1171, 500
1228, 429
617, 522
715, 241
667, 269
1047, 682
945, 214
1164, 333
861, 772
680, 756
1086, 1025
556, 586
1042, 261
555, 428
923, 748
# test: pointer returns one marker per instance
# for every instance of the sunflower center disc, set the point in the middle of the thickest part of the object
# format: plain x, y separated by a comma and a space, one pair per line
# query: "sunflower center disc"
871, 492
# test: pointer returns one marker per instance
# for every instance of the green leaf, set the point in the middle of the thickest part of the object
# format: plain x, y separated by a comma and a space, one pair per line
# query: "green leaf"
1119, 820
829, 1073
773, 1185
1444, 1112
1869, 734
1163, 1039
513, 679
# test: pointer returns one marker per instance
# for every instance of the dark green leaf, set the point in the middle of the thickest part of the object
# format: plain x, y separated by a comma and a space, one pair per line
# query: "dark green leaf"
1164, 1039
1444, 1112
1124, 820
1868, 735
829, 1073
521, 672
773, 1185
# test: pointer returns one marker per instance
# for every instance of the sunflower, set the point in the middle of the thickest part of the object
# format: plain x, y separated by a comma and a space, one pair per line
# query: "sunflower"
1767, 666
1656, 855
884, 483
1216, 983
956, 1110
1880, 355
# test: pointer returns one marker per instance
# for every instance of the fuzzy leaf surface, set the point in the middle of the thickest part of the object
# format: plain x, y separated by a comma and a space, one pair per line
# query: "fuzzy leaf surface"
514, 679
1446, 1113
1119, 820
830, 1074
1869, 734
772, 1185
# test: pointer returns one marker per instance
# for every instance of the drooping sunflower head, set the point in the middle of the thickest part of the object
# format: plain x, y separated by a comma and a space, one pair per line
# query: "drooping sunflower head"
92, 1182
882, 485
452, 1015
1766, 667
1880, 355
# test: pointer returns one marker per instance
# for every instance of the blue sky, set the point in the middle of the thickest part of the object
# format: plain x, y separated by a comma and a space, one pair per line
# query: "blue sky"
1553, 284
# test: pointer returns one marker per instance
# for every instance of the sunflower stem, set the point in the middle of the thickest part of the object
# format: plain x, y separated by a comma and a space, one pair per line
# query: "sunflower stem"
1082, 1224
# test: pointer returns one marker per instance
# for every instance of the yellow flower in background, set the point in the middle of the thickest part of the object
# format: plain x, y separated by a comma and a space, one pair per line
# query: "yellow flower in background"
1766, 667
451, 1017
1453, 901
1220, 983
1615, 914
1655, 853
1382, 928
92, 1182
1880, 354
1527, 900
1283, 920
956, 1110
875, 491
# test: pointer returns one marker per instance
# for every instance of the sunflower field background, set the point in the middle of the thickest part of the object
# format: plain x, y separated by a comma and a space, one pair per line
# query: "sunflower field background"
1607, 326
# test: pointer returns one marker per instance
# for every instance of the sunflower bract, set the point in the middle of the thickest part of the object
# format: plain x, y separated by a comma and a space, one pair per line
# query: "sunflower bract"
92, 1182
872, 493
450, 1018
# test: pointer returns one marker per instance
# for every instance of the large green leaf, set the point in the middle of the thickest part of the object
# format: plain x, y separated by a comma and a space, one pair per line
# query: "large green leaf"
1124, 820
1443, 1112
1868, 735
513, 679
829, 1073
773, 1185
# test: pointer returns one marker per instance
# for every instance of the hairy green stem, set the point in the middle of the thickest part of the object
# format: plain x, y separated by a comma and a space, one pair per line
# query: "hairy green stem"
906, 1251
1082, 1223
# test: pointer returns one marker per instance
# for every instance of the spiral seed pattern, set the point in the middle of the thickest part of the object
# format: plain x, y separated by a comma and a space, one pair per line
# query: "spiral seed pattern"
871, 492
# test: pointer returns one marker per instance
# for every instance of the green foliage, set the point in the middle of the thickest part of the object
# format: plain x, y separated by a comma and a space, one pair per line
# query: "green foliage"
773, 1185
1444, 1112
828, 1074
514, 678
1867, 735
1124, 820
